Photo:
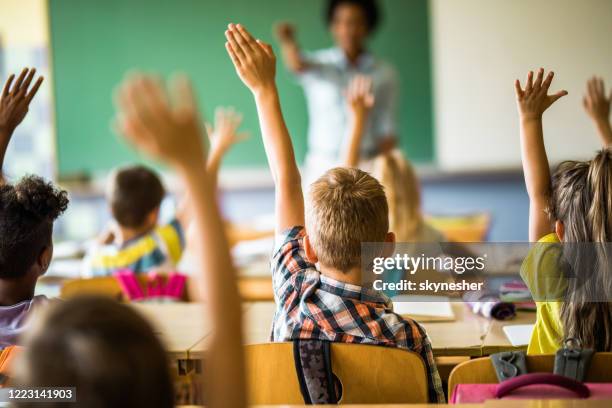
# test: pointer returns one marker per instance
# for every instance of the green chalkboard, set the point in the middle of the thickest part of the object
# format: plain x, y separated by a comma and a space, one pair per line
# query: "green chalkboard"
94, 43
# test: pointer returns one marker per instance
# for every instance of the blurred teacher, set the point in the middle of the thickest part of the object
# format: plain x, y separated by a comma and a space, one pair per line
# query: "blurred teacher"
325, 74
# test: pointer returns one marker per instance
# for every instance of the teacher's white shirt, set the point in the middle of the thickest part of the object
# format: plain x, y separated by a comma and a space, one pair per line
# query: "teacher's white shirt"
325, 82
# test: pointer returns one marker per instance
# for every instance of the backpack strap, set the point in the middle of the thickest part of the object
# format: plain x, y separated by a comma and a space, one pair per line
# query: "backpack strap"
318, 383
509, 364
572, 361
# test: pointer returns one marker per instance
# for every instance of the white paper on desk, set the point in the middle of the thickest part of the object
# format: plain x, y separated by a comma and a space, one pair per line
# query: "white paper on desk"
518, 334
245, 251
424, 308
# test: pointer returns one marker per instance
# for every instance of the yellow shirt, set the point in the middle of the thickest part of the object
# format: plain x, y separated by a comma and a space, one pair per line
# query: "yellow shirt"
541, 273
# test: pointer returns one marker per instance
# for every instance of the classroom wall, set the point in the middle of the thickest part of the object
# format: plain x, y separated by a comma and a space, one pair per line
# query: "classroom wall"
479, 47
24, 42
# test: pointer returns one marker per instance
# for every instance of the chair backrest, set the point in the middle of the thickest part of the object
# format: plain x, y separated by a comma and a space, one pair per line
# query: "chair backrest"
369, 374
252, 289
105, 286
480, 370
462, 228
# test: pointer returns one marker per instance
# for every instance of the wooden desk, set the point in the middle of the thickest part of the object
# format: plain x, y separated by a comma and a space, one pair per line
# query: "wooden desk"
496, 340
463, 337
180, 326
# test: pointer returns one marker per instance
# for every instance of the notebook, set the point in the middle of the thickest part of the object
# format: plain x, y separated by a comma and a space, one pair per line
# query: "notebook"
518, 334
424, 308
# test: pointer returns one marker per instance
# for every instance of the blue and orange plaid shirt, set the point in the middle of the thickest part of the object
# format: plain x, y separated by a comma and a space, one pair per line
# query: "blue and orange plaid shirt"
310, 305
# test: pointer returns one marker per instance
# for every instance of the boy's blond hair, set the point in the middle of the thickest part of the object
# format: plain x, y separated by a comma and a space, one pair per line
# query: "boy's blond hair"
346, 207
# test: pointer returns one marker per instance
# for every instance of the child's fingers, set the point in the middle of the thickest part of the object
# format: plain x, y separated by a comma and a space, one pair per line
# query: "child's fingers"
529, 82
517, 88
27, 81
155, 98
267, 48
238, 50
600, 87
560, 94
17, 86
34, 89
7, 85
209, 130
246, 35
247, 46
537, 84
547, 81
183, 96
233, 56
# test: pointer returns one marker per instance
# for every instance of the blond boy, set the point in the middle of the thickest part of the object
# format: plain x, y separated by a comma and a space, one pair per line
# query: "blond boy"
317, 270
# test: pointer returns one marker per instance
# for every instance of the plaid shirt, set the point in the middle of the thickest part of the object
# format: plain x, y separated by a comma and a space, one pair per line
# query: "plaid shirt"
310, 305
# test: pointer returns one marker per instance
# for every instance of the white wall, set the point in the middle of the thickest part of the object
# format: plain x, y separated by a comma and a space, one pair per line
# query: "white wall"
479, 47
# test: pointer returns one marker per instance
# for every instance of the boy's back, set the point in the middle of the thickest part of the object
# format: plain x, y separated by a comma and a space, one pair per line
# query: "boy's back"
346, 207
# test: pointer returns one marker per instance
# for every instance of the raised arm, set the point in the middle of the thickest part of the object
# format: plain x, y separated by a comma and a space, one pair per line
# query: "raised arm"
172, 133
597, 106
532, 101
360, 100
290, 50
222, 137
255, 64
14, 105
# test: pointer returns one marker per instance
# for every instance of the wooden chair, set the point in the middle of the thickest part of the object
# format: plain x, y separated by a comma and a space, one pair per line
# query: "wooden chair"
462, 228
480, 370
369, 374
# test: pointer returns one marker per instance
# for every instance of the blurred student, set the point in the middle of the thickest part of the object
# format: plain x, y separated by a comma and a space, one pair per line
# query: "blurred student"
392, 169
136, 241
345, 208
324, 75
171, 132
597, 106
573, 207
109, 353
27, 212
105, 350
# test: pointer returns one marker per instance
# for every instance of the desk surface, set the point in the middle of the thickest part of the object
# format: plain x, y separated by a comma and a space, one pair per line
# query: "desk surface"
183, 330
179, 325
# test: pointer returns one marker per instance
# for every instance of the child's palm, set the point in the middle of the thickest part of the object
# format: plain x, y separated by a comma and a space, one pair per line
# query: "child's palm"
225, 132
165, 132
254, 60
534, 99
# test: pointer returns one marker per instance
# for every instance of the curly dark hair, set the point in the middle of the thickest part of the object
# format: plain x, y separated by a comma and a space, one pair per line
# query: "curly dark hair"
369, 7
134, 192
27, 212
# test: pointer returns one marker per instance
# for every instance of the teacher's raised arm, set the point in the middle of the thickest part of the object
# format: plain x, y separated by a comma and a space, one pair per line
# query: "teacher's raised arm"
325, 74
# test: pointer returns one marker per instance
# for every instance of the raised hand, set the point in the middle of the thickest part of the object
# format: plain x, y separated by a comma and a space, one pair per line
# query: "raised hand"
534, 99
165, 127
254, 60
595, 102
225, 133
597, 106
16, 99
285, 31
359, 95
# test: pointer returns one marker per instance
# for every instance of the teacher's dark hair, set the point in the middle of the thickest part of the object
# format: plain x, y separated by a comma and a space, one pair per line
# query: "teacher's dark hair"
369, 7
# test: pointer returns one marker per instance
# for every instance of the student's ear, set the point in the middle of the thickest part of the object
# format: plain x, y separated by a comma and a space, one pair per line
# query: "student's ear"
153, 216
309, 250
389, 246
44, 259
559, 229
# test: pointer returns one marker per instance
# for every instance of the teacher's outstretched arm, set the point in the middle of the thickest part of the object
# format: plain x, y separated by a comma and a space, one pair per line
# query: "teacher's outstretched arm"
290, 49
